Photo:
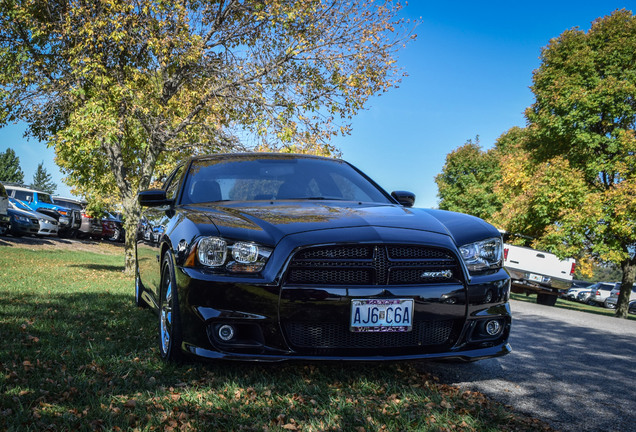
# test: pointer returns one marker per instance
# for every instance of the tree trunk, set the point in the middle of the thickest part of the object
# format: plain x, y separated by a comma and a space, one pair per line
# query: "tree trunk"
131, 215
629, 275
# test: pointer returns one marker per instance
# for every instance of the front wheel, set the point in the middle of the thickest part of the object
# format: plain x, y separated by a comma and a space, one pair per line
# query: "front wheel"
169, 317
14, 231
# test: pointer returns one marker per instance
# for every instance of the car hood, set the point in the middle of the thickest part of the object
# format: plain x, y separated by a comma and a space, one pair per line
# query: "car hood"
20, 212
268, 222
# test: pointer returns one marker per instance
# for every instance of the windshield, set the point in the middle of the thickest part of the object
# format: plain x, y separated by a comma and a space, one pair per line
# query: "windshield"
277, 178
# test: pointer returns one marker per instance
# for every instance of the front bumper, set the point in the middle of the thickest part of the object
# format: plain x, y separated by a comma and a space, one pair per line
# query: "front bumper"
25, 227
262, 316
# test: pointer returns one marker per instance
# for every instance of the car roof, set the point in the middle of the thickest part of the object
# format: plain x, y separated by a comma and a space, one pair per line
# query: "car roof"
75, 200
23, 188
262, 155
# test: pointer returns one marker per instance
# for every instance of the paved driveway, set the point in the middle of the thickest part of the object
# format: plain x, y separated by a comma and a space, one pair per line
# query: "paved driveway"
575, 370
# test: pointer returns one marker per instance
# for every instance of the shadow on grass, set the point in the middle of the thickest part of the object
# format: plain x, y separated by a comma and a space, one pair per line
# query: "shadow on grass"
100, 267
89, 361
574, 306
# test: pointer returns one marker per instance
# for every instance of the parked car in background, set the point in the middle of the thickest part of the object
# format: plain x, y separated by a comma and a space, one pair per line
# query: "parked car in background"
583, 296
48, 224
41, 202
22, 222
89, 226
108, 228
632, 307
535, 271
600, 292
573, 292
4, 214
612, 300
119, 233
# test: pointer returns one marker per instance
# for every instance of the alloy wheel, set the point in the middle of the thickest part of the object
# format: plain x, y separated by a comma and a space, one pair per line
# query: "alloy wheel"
166, 316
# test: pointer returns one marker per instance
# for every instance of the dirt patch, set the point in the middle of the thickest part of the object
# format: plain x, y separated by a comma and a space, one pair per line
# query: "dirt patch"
56, 243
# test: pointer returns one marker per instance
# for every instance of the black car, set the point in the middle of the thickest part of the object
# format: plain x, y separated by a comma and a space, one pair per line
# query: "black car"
272, 257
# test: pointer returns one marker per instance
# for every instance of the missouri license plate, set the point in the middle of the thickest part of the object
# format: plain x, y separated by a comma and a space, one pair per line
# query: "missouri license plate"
535, 277
381, 315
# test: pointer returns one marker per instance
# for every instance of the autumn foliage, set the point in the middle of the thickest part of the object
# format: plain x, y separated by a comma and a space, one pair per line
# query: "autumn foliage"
124, 90
568, 179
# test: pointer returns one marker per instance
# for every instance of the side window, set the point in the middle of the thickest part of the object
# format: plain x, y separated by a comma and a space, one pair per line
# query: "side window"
23, 196
172, 185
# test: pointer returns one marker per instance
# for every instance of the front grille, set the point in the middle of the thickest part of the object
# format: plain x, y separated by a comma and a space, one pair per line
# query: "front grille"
321, 336
373, 265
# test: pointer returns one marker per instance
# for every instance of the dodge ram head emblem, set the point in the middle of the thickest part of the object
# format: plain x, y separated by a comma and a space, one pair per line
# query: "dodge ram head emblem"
443, 274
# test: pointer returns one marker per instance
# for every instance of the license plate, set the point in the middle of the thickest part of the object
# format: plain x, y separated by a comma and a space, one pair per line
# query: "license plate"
381, 315
535, 277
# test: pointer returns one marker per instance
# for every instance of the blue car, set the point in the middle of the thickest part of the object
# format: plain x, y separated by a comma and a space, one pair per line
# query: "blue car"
69, 220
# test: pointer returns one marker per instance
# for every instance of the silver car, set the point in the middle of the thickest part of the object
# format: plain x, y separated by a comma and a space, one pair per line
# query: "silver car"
612, 300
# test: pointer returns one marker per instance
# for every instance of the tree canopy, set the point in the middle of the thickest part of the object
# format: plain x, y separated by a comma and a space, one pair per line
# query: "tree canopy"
121, 89
10, 170
467, 180
582, 127
568, 179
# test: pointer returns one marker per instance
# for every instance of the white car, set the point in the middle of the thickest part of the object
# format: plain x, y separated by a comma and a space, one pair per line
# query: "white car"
573, 293
612, 300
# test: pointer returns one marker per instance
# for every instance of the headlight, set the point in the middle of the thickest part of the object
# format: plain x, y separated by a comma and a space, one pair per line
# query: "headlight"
212, 251
22, 218
483, 255
237, 257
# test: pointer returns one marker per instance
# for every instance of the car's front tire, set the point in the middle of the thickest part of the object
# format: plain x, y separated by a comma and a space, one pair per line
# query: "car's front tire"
169, 317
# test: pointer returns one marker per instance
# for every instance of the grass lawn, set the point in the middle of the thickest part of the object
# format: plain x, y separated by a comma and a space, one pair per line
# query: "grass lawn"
572, 305
77, 355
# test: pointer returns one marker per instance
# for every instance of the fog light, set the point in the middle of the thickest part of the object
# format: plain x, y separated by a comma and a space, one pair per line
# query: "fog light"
225, 332
493, 327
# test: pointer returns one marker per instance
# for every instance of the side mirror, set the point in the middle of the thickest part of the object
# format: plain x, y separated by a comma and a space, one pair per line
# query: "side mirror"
407, 199
153, 198
29, 198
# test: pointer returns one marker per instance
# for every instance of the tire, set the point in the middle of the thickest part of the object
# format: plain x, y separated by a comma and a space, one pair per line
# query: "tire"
115, 236
139, 289
169, 317
14, 232
546, 299
610, 305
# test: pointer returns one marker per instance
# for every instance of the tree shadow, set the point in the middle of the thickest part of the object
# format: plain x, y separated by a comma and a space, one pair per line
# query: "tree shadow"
100, 267
89, 361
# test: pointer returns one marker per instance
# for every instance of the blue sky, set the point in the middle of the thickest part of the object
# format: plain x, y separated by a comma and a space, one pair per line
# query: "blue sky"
469, 74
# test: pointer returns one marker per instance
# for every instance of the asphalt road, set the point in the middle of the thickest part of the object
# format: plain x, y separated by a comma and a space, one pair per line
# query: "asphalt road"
574, 370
